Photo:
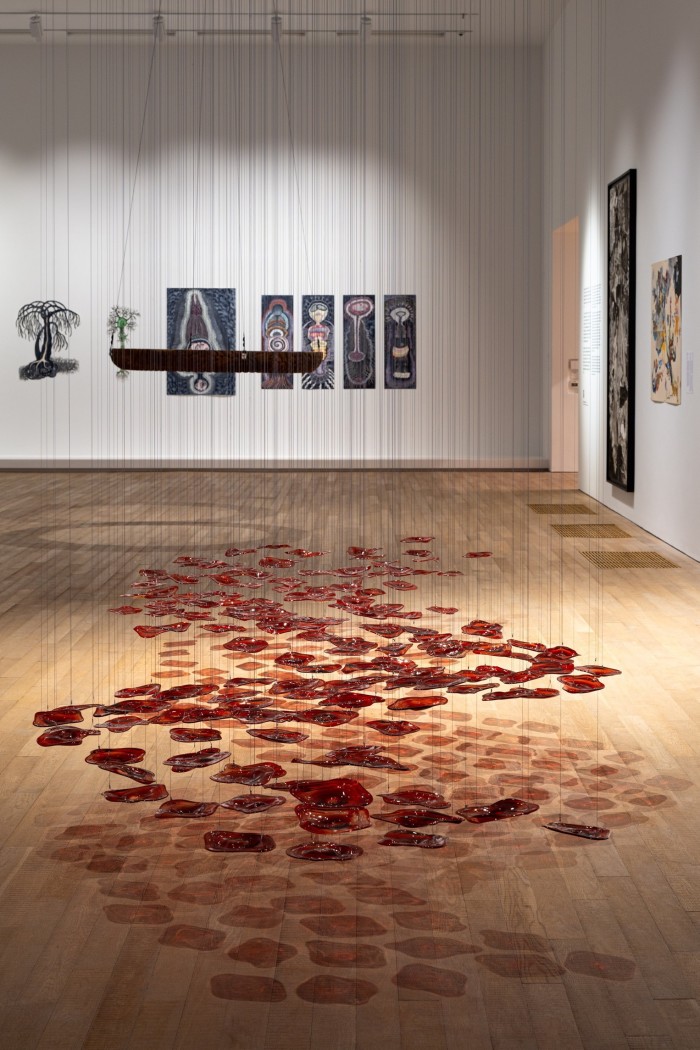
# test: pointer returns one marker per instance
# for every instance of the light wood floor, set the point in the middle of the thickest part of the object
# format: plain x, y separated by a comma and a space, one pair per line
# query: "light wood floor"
118, 930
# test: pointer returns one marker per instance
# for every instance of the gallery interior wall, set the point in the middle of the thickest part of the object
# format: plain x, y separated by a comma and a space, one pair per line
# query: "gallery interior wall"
644, 57
407, 167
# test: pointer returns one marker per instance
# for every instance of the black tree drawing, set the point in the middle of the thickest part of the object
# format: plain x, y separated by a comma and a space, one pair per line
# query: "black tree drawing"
49, 324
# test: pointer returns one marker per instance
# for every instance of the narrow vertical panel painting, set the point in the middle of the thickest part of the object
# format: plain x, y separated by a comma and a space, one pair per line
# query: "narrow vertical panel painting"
318, 333
622, 217
666, 281
278, 336
359, 345
201, 319
400, 342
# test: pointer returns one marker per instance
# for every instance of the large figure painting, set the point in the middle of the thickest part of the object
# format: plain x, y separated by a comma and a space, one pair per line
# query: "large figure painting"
358, 342
400, 342
200, 319
278, 335
622, 209
318, 333
666, 279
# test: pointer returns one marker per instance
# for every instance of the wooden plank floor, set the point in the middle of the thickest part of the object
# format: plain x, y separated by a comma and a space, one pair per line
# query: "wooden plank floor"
121, 932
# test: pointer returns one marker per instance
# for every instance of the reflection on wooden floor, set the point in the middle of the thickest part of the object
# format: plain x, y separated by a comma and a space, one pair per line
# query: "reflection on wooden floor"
122, 931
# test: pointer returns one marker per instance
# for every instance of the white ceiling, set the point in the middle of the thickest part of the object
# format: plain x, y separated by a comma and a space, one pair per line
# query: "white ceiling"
472, 21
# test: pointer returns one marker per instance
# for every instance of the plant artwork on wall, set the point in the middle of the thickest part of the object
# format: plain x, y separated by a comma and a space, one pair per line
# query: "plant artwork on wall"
666, 282
622, 217
49, 324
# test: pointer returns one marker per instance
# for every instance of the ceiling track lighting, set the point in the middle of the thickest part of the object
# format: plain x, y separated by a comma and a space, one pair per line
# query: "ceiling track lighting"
276, 29
36, 30
365, 28
159, 28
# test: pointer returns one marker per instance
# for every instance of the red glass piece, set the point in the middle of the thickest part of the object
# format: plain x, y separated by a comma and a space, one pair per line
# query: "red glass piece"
126, 610
483, 629
238, 842
416, 797
301, 553
169, 717
145, 631
115, 754
255, 775
123, 723
413, 838
276, 563
350, 700
69, 737
385, 630
417, 818
294, 659
396, 649
186, 692
357, 755
505, 807
194, 736
149, 689
417, 552
327, 717
279, 736
583, 831
59, 716
478, 554
146, 793
316, 851
331, 821
208, 756
515, 694
184, 807
179, 578
138, 705
580, 683
246, 645
339, 793
272, 546
598, 671
142, 776
253, 803
535, 647
396, 727
417, 703
196, 616
363, 552
417, 539
444, 610
402, 585
233, 552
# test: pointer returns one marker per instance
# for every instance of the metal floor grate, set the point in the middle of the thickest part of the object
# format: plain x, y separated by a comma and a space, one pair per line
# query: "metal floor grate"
629, 560
560, 508
603, 531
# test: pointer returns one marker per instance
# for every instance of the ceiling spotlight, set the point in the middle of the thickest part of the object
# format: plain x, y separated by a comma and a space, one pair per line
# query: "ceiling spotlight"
365, 28
36, 30
276, 29
159, 28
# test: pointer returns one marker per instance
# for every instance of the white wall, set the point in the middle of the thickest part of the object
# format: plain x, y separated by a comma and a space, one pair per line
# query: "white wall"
622, 90
414, 168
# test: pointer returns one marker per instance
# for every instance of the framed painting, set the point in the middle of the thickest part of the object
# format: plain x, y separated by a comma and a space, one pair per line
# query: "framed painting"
277, 335
400, 342
202, 319
666, 289
622, 252
358, 342
318, 333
